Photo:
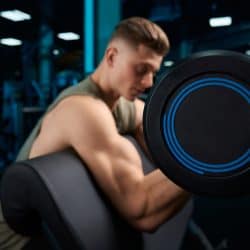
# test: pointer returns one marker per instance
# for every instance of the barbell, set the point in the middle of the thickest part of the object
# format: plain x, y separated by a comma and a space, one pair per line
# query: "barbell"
197, 123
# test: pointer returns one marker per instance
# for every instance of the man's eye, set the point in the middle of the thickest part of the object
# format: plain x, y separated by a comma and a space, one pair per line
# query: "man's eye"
141, 70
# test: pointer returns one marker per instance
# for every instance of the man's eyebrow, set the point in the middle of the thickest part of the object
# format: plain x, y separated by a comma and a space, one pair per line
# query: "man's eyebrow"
156, 70
148, 65
152, 67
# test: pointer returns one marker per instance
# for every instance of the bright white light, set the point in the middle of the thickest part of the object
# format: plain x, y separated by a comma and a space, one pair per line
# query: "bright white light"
10, 41
168, 63
15, 15
247, 52
68, 36
220, 21
56, 52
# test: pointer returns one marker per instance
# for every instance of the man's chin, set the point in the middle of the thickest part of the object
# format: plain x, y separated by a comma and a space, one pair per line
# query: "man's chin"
131, 98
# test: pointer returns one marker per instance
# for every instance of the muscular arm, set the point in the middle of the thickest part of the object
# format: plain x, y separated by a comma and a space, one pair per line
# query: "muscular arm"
145, 201
177, 196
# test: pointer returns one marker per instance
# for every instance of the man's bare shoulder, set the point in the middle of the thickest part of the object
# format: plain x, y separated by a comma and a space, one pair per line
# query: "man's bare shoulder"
78, 107
82, 102
82, 115
75, 115
71, 122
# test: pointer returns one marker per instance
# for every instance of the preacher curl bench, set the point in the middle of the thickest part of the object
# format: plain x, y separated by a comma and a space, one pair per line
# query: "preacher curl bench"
56, 196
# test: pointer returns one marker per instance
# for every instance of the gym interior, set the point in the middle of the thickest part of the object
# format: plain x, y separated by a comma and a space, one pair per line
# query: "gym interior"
50, 45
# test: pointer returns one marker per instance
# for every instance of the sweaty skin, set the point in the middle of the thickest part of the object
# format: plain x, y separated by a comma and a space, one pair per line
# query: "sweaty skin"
87, 125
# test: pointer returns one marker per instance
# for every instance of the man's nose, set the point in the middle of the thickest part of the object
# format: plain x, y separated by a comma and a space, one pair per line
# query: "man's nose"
147, 80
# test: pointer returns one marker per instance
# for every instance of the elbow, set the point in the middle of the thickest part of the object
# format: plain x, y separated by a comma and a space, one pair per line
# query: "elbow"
136, 208
150, 223
136, 214
145, 225
139, 220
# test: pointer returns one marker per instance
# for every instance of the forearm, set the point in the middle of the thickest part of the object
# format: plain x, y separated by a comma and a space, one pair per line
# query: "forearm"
152, 222
164, 200
161, 191
163, 196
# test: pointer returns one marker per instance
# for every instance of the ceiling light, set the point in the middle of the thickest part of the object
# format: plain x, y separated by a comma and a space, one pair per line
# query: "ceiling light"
56, 52
168, 63
15, 15
220, 21
10, 41
68, 36
247, 52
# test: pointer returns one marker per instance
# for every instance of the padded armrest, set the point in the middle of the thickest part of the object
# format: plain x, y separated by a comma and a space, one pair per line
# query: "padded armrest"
59, 191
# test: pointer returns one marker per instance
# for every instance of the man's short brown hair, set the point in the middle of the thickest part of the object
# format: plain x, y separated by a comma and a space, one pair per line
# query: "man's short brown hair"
138, 30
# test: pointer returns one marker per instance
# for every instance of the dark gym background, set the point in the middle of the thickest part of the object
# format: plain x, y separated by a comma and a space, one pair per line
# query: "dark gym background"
32, 73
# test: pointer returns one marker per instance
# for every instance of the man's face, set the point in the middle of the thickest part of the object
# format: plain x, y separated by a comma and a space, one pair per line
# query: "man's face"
134, 70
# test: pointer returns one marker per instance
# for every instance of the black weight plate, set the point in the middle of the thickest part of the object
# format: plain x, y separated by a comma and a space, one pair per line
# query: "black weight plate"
196, 123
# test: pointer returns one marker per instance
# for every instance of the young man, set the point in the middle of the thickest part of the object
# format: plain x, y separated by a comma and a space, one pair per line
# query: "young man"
92, 117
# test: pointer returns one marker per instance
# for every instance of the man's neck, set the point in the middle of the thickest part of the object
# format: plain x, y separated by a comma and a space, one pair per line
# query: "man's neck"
109, 95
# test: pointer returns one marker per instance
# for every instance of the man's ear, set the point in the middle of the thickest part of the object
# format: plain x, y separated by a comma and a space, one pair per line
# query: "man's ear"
110, 55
